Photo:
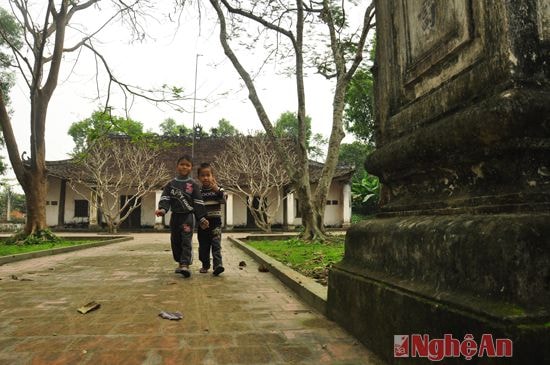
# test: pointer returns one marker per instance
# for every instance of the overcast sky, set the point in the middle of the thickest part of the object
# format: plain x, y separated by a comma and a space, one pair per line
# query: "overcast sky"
168, 57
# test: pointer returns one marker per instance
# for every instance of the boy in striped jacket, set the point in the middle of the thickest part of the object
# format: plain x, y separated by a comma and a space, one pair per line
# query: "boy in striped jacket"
210, 237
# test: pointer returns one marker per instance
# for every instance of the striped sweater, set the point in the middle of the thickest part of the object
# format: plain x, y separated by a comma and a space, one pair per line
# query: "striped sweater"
213, 201
182, 195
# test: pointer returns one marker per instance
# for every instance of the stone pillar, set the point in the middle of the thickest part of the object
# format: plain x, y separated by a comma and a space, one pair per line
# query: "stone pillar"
159, 221
229, 211
61, 206
462, 242
92, 218
346, 206
290, 212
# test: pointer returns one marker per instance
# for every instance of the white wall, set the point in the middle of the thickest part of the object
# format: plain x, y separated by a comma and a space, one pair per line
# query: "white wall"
70, 197
239, 211
279, 217
333, 211
148, 209
52, 200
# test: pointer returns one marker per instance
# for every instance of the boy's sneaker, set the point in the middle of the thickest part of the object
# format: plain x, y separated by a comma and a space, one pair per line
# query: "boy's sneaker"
184, 271
178, 270
218, 270
203, 270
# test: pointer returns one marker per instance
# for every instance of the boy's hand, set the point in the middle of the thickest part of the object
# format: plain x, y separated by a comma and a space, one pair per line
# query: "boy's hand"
214, 184
204, 224
160, 212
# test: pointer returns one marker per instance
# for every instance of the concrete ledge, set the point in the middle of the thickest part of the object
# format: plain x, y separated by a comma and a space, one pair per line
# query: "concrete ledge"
306, 288
54, 251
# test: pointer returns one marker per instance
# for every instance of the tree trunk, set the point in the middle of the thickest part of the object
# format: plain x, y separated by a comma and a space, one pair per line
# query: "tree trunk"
336, 136
312, 220
111, 226
312, 206
35, 198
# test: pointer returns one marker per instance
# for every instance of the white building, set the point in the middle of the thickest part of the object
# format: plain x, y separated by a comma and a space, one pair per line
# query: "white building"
66, 208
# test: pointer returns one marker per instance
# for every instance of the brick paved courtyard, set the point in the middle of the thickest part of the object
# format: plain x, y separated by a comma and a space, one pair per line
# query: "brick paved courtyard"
241, 317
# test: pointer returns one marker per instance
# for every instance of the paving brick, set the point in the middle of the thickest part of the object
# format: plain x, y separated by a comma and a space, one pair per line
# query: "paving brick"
241, 317
244, 355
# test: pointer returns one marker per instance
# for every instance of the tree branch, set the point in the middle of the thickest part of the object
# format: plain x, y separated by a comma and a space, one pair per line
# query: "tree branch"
367, 26
131, 89
11, 143
260, 20
87, 38
28, 25
252, 93
53, 74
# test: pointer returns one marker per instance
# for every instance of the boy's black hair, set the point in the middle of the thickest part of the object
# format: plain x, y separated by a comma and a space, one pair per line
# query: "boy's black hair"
205, 165
185, 157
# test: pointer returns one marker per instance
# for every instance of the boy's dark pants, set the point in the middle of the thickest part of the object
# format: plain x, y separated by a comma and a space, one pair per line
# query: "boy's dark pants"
210, 239
181, 234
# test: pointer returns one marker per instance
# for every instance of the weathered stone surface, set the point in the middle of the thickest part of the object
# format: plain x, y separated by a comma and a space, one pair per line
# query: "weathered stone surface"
375, 309
495, 257
461, 245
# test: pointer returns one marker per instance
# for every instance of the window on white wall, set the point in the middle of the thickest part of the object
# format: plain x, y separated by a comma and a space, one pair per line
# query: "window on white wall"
81, 208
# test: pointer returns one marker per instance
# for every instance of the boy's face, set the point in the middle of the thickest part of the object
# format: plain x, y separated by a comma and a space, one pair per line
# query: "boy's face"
205, 177
184, 167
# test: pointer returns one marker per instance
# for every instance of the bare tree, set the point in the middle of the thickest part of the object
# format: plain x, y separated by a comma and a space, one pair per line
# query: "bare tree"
39, 62
288, 21
115, 167
249, 168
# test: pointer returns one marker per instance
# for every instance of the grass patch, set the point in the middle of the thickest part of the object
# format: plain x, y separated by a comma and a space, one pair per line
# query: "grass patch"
16, 248
312, 259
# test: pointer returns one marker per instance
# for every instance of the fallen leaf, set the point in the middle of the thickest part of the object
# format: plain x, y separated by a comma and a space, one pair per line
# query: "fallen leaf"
262, 268
173, 316
242, 263
88, 307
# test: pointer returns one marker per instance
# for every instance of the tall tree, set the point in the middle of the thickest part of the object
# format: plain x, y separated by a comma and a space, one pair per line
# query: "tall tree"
13, 32
345, 52
224, 129
359, 111
170, 128
355, 153
287, 126
12, 36
39, 63
99, 124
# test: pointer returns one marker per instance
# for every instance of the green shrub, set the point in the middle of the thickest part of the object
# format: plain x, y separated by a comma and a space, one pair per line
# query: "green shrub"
41, 236
365, 194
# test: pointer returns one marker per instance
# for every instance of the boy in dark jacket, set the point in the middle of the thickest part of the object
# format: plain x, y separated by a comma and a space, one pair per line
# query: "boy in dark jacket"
183, 196
210, 238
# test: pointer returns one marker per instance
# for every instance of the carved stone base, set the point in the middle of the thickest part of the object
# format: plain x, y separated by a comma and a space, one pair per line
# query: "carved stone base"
436, 275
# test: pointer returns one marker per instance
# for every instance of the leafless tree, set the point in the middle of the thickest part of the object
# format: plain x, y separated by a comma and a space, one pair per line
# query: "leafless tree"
325, 22
115, 167
249, 168
46, 26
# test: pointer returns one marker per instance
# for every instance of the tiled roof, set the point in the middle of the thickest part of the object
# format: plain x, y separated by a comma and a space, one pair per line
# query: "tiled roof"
206, 150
